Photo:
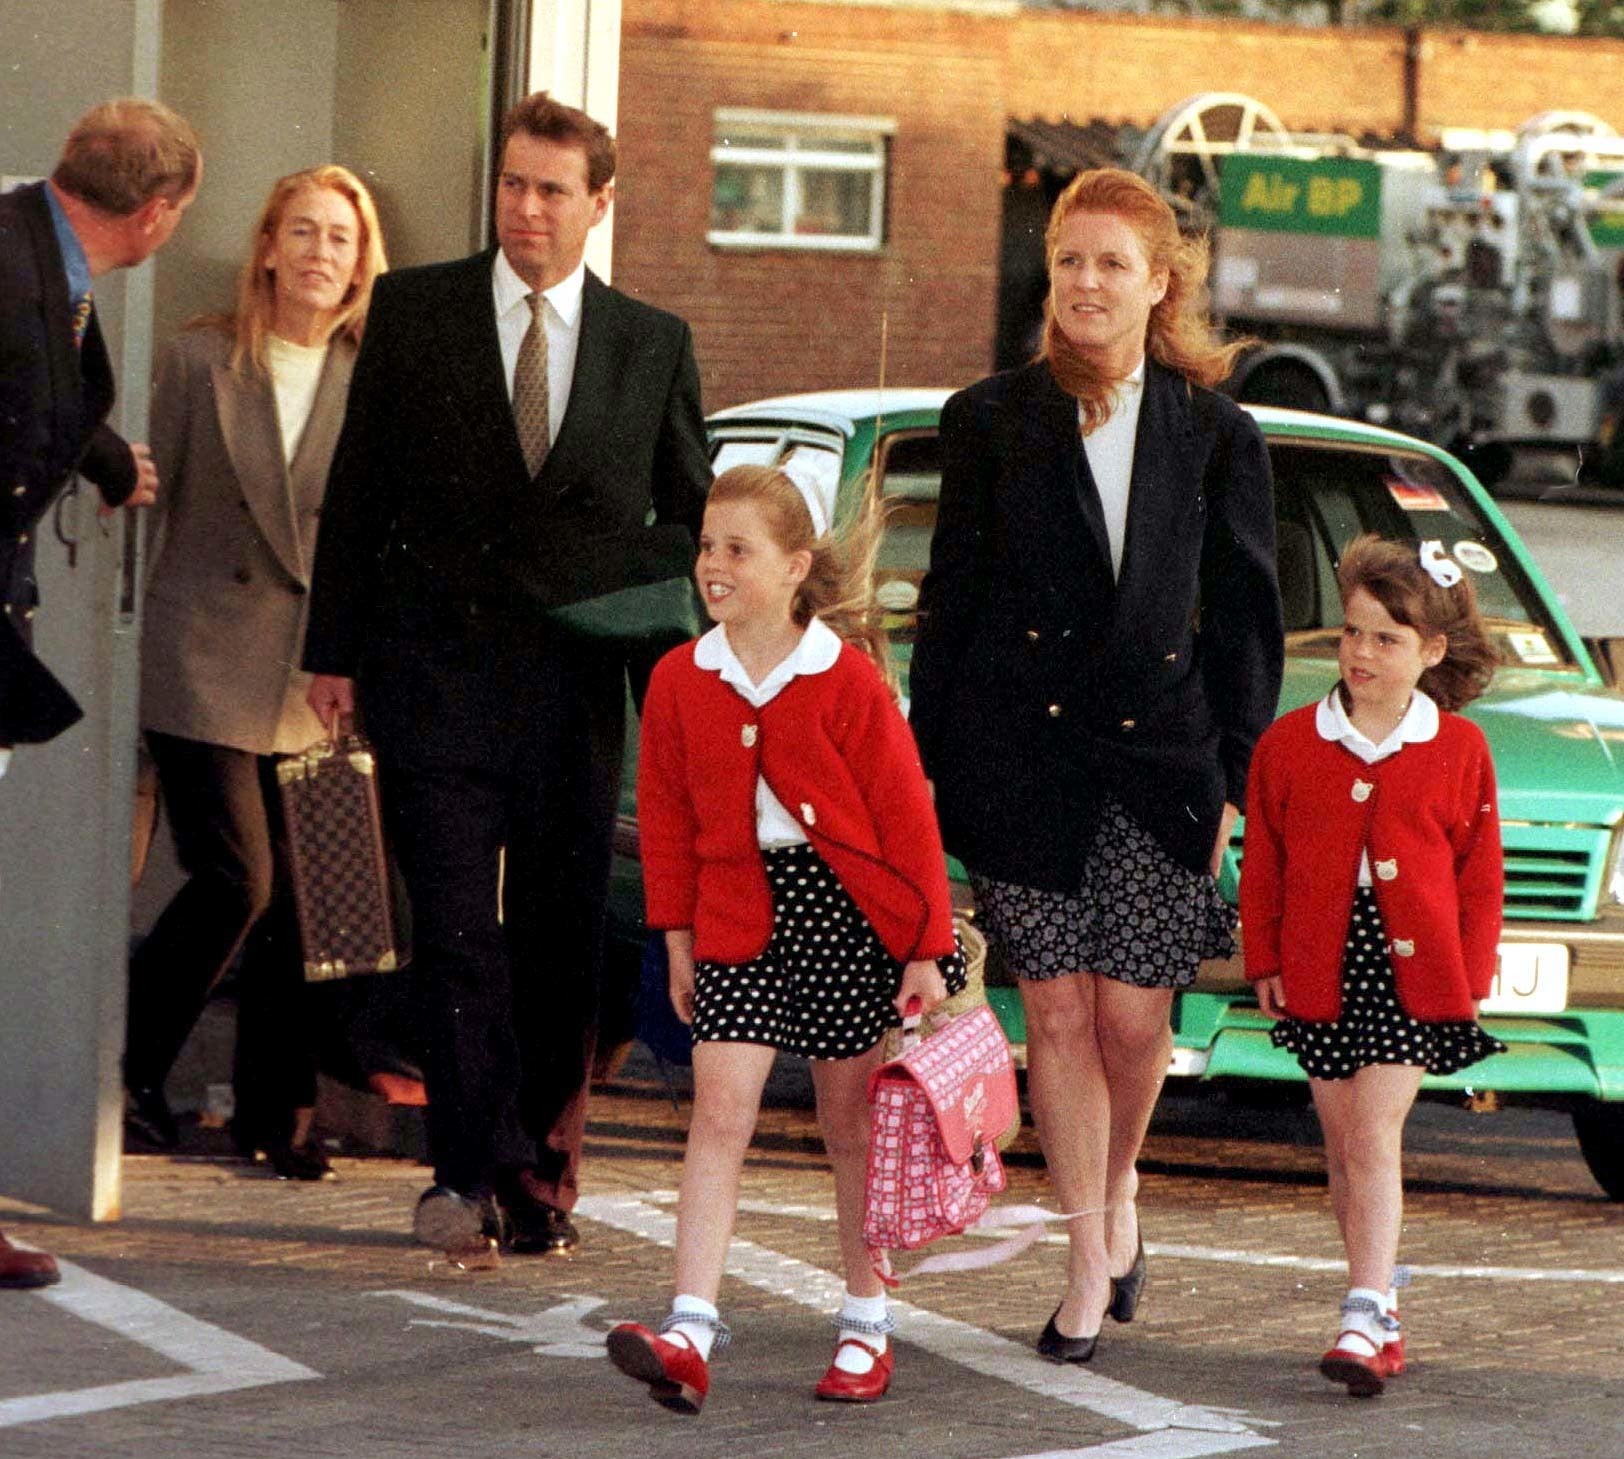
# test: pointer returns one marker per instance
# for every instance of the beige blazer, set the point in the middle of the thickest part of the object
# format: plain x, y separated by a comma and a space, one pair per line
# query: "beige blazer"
226, 598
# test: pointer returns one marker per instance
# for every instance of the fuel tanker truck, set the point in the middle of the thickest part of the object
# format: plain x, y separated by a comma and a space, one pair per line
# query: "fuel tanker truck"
1472, 294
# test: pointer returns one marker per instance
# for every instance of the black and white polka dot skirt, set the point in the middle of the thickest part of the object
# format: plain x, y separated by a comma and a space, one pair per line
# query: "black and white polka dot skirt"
1373, 1027
1137, 916
823, 986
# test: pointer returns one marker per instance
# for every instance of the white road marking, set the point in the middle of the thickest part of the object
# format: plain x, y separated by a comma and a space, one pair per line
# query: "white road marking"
557, 1332
1169, 1429
216, 1361
1607, 1276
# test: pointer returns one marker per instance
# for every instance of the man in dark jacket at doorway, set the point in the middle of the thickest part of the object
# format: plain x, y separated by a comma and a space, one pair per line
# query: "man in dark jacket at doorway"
128, 172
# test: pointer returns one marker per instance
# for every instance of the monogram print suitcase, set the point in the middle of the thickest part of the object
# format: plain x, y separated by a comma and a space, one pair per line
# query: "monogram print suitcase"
341, 883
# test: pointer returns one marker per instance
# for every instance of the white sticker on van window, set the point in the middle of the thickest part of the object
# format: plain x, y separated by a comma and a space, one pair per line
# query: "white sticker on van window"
1475, 555
1532, 648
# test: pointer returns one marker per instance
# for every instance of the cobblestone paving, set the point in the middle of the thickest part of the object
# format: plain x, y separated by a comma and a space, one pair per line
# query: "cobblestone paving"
410, 1358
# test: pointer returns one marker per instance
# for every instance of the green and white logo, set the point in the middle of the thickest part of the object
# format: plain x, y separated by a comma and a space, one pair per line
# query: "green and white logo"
1338, 196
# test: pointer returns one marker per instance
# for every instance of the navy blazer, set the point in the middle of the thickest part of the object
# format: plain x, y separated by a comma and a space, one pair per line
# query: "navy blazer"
54, 401
1040, 680
430, 513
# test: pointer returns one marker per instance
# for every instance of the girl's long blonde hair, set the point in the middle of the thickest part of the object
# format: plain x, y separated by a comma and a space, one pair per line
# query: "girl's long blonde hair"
839, 587
1178, 334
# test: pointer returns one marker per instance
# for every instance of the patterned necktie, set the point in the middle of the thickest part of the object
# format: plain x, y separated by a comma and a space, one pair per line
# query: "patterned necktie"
530, 406
81, 318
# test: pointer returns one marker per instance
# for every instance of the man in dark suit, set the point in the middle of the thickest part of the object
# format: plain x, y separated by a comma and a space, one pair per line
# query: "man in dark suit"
520, 438
130, 169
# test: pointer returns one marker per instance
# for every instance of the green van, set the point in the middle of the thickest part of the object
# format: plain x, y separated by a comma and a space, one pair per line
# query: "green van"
1556, 729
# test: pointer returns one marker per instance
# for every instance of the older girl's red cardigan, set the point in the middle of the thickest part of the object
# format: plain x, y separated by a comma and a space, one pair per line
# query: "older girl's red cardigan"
836, 751
1428, 818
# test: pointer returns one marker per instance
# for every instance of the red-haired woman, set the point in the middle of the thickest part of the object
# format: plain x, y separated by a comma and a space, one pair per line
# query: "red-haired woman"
1100, 647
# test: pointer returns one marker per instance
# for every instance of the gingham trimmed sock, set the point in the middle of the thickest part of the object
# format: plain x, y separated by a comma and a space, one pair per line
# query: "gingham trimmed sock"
1360, 1323
699, 1335
866, 1319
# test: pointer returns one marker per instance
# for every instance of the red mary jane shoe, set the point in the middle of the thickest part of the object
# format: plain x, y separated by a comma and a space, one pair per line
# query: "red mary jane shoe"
1393, 1350
843, 1387
1364, 1374
677, 1377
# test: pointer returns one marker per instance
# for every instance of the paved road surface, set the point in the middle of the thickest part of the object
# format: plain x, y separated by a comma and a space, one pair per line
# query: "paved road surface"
230, 1315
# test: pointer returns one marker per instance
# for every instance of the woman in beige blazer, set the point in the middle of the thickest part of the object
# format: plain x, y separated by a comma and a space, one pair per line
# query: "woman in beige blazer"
245, 417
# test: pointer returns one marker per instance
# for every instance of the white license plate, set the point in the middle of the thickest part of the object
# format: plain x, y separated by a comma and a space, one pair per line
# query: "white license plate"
1530, 977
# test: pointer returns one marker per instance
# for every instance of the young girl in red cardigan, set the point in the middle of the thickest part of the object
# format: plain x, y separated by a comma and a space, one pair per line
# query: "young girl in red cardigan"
791, 856
1371, 899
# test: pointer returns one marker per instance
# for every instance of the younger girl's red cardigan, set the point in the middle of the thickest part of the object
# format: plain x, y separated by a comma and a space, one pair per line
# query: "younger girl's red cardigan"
836, 751
1428, 818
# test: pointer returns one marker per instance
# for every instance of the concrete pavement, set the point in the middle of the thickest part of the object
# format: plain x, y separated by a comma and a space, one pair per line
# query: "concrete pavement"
229, 1314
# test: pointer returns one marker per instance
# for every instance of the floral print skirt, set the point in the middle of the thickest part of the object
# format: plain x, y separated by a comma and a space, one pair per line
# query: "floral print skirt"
1137, 916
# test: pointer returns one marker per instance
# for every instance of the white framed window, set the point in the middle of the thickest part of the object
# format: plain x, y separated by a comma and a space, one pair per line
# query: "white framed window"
798, 180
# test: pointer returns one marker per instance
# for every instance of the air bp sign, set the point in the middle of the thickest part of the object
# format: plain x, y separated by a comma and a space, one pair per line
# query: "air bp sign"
1337, 196
1605, 225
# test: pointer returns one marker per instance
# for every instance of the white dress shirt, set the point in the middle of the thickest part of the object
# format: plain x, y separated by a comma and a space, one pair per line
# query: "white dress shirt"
816, 652
1109, 448
561, 316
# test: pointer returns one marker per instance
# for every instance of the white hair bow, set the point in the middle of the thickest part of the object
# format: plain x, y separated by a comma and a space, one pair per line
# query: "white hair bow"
815, 489
1439, 566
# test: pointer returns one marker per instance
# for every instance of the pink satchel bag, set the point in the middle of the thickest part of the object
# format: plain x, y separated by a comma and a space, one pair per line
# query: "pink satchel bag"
938, 1110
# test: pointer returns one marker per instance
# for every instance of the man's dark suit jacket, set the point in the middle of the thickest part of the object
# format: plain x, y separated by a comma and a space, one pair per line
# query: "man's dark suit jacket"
54, 401
429, 503
1040, 680
438, 562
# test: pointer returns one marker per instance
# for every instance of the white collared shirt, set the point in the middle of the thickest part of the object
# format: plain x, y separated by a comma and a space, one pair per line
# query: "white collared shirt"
817, 652
561, 316
1109, 448
1419, 724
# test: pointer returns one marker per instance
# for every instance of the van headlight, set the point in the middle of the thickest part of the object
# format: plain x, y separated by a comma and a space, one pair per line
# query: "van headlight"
1615, 871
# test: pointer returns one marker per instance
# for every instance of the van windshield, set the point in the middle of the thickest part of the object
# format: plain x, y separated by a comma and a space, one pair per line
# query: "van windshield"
1326, 494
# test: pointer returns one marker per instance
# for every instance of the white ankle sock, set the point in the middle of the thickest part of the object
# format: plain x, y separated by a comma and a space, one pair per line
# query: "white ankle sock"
699, 1335
1363, 1326
862, 1314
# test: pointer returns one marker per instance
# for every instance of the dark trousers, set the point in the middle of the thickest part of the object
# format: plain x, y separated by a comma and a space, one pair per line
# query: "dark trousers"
226, 818
499, 770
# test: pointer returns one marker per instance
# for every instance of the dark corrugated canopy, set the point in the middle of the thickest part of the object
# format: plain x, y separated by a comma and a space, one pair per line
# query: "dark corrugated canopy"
1065, 147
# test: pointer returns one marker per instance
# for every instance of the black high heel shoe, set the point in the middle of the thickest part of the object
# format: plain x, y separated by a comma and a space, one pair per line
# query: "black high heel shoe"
1126, 1290
1058, 1348
299, 1162
148, 1118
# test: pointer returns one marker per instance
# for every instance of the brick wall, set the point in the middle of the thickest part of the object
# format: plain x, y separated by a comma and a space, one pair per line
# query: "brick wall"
1125, 69
771, 321
1477, 80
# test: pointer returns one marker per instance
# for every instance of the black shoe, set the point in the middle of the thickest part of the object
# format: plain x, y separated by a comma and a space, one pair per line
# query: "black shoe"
1126, 1291
299, 1162
148, 1118
1058, 1348
451, 1221
535, 1227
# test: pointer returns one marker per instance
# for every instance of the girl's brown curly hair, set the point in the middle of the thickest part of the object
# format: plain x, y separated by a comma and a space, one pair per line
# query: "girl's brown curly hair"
1392, 574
